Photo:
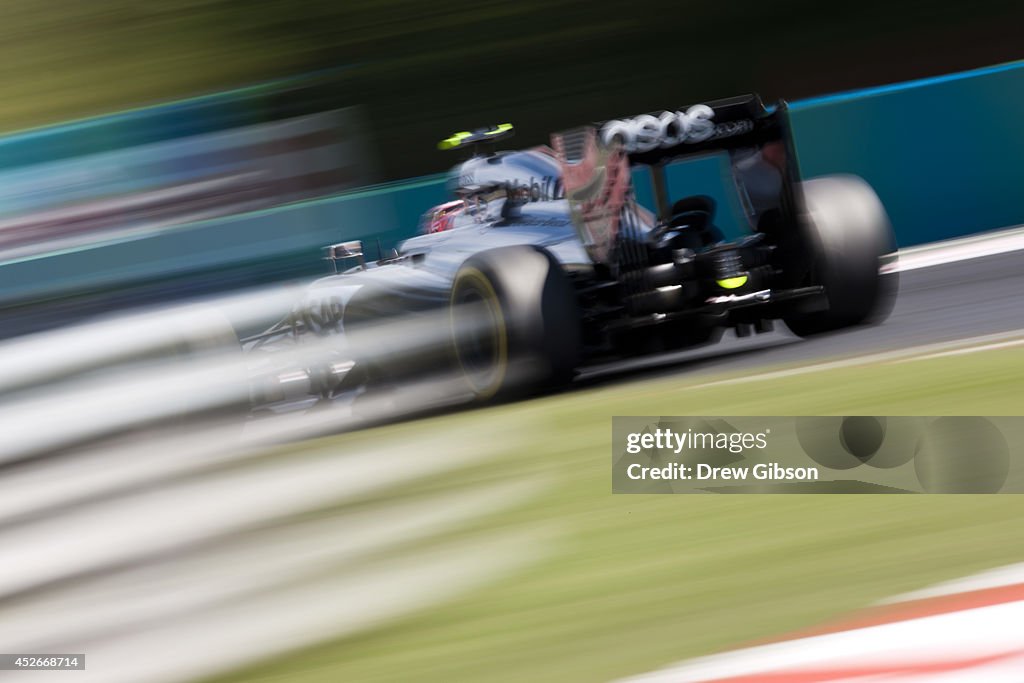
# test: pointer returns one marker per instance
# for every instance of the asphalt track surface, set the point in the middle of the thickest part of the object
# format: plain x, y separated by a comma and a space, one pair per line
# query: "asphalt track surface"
940, 303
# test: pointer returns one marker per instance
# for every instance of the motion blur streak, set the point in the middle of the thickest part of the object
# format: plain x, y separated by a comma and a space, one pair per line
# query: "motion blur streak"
33, 359
109, 604
141, 504
226, 634
95, 407
189, 364
200, 509
121, 464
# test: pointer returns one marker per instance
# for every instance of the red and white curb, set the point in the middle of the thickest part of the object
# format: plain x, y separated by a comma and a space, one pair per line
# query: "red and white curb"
964, 631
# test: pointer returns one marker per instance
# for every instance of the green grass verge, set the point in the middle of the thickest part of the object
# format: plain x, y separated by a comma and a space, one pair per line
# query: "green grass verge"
637, 582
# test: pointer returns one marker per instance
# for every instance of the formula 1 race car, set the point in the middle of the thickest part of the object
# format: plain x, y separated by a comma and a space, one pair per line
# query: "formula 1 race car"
544, 262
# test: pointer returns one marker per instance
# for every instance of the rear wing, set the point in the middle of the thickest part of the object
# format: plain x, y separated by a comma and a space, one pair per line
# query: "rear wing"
595, 162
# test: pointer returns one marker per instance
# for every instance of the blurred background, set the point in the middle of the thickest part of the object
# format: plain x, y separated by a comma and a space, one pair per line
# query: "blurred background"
168, 175
126, 119
424, 69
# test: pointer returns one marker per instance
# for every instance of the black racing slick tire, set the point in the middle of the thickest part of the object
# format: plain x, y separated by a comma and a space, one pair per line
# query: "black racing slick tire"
847, 238
516, 325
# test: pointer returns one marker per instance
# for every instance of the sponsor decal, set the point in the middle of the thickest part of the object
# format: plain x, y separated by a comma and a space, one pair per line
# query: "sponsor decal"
543, 189
320, 316
648, 132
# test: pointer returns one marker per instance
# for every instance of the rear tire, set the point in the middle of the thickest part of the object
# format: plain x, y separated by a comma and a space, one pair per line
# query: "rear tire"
515, 320
846, 234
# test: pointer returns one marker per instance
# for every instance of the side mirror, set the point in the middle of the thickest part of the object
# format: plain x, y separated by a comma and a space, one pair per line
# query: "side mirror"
344, 251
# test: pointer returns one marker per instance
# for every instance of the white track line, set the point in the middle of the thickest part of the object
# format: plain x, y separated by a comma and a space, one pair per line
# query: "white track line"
968, 345
993, 578
970, 349
961, 249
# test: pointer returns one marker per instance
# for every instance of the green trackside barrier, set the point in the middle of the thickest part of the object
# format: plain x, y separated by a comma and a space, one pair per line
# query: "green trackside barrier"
943, 153
292, 234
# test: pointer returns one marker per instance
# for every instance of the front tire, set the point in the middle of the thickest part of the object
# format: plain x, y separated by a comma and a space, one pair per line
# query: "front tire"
846, 234
515, 321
